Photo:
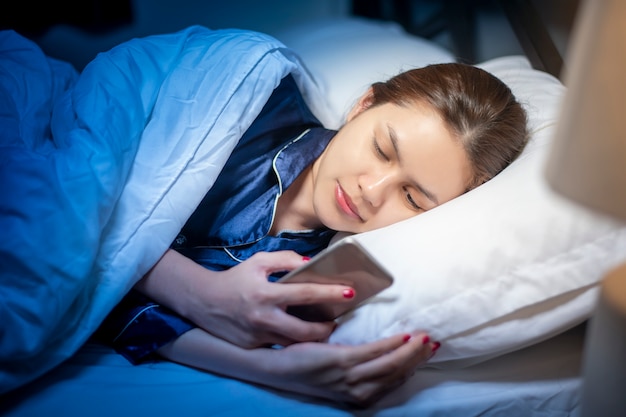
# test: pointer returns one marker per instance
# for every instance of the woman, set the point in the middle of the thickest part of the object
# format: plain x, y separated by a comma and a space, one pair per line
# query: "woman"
409, 145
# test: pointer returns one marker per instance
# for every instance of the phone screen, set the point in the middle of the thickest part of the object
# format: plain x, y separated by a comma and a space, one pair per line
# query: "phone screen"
347, 263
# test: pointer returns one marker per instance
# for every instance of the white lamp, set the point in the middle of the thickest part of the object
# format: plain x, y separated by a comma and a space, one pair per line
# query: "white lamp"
588, 165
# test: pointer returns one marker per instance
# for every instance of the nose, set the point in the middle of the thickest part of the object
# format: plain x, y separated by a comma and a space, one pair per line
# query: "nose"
374, 187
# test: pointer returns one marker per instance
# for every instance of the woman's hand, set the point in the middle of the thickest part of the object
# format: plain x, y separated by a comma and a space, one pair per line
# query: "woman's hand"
239, 305
357, 375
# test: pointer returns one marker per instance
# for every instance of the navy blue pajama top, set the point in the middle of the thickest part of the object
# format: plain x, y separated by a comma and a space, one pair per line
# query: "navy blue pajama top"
234, 218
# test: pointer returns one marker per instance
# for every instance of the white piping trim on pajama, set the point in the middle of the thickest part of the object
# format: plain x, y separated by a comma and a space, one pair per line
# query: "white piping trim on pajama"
133, 319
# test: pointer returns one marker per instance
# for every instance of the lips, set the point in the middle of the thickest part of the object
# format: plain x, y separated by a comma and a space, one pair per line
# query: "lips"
345, 203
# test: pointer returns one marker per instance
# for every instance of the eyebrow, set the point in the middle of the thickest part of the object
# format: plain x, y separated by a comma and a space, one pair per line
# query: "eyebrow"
394, 142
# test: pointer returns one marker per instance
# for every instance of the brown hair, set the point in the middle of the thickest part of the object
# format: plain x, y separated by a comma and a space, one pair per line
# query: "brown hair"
478, 108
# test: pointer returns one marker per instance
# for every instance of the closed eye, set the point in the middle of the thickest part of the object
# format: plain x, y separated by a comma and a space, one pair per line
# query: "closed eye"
382, 155
410, 200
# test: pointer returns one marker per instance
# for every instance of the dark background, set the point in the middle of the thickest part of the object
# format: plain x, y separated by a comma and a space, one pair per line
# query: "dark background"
75, 31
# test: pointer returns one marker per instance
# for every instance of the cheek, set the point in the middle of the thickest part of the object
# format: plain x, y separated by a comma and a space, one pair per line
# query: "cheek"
323, 204
393, 214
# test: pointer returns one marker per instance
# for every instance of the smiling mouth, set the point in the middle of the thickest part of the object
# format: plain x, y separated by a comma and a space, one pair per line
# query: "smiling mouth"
345, 203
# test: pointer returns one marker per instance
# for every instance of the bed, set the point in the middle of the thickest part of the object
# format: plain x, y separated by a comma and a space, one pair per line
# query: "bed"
510, 308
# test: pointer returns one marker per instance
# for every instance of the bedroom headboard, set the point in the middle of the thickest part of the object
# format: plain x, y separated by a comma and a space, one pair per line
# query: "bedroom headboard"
542, 28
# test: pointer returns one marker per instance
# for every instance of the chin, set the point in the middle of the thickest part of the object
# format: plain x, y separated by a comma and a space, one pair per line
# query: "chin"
346, 228
337, 225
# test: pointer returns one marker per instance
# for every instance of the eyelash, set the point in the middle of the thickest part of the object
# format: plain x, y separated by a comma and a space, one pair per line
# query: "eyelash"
384, 157
379, 151
410, 200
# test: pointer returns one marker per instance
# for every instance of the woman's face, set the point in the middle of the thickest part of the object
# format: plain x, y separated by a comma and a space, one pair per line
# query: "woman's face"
388, 163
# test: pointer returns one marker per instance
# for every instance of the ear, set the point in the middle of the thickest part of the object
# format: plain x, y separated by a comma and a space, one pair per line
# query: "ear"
364, 103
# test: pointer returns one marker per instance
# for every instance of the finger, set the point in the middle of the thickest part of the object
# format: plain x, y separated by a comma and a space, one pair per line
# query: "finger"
374, 388
368, 393
297, 330
398, 362
309, 293
279, 261
361, 354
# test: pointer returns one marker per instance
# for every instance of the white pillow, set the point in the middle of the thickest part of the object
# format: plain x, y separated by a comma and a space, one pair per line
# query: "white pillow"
499, 268
347, 55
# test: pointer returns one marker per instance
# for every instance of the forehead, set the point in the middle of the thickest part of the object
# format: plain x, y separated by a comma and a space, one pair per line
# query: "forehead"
430, 153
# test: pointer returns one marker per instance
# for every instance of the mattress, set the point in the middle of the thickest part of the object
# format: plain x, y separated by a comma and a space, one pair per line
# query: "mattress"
540, 380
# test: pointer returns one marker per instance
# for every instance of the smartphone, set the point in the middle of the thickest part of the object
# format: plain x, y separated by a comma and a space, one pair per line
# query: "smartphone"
348, 263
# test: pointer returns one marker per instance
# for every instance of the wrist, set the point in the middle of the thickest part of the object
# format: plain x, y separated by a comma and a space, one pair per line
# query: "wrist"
176, 282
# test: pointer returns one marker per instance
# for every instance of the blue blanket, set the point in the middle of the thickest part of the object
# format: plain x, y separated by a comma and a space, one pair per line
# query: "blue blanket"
99, 171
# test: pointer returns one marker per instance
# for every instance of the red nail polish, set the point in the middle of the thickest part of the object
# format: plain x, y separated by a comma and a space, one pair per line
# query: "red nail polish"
425, 340
348, 293
406, 338
436, 345
306, 258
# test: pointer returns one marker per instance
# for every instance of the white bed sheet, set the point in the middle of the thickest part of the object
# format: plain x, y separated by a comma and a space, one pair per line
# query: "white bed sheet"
542, 380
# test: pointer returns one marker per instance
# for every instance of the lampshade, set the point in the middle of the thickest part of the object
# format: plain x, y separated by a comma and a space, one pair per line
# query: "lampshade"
588, 161
588, 165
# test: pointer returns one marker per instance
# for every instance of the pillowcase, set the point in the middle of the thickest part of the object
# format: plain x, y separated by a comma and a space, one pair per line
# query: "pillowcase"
347, 55
499, 268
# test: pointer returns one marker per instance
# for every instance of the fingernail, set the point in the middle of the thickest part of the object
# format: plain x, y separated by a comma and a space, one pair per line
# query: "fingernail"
436, 345
406, 338
306, 258
348, 293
